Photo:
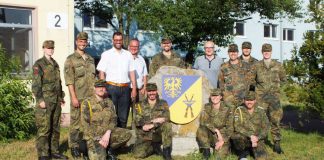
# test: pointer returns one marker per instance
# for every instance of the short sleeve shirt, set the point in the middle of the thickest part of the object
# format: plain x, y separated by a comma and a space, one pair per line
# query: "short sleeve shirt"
140, 70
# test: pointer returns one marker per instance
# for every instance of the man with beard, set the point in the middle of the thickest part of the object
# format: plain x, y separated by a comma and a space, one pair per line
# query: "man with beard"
153, 126
116, 66
251, 127
79, 74
166, 58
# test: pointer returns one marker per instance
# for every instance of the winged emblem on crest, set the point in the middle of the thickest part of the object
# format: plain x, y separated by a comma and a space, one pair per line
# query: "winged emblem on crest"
172, 86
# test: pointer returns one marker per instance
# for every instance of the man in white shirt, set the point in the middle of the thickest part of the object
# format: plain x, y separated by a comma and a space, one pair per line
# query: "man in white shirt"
116, 66
140, 68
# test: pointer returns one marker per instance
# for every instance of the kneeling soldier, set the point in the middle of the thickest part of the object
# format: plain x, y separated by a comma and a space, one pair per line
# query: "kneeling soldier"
98, 123
215, 126
153, 126
251, 127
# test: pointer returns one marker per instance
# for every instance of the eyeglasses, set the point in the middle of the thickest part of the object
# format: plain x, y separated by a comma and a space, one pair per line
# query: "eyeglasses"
208, 47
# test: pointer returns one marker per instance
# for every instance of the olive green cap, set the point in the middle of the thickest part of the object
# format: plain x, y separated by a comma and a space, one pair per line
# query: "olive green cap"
82, 35
151, 87
166, 40
48, 44
215, 92
247, 45
250, 96
232, 48
266, 47
100, 83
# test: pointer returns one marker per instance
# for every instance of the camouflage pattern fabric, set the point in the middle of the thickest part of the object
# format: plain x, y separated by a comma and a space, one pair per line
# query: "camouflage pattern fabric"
245, 125
46, 86
160, 60
211, 119
144, 113
234, 81
268, 83
80, 73
96, 118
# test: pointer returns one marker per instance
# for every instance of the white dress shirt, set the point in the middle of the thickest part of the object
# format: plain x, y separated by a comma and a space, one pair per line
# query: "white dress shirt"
140, 70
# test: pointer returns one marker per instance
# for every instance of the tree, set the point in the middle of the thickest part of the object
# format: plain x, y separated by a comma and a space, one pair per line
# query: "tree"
306, 68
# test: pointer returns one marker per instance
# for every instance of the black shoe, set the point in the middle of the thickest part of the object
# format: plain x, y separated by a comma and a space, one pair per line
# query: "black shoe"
75, 152
277, 148
167, 153
157, 148
243, 155
43, 158
110, 155
58, 156
206, 153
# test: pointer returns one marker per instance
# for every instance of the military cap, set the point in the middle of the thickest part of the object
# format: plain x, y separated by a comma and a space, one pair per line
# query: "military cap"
100, 83
48, 44
266, 47
166, 40
215, 92
247, 45
232, 48
250, 96
82, 35
151, 87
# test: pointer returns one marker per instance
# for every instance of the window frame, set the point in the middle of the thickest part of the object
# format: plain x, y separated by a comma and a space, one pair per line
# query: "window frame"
285, 34
236, 28
273, 31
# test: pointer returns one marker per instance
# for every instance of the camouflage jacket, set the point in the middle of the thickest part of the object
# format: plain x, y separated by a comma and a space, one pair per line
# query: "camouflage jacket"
80, 73
97, 117
269, 80
160, 60
144, 113
247, 124
234, 80
47, 84
217, 119
251, 61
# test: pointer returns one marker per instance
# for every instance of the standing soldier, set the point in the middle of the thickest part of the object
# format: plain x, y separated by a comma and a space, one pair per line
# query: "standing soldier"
166, 58
246, 53
251, 127
47, 89
215, 126
270, 76
98, 124
234, 78
79, 73
152, 121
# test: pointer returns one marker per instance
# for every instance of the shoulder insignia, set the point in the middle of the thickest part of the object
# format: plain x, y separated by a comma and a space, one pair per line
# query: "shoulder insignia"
35, 71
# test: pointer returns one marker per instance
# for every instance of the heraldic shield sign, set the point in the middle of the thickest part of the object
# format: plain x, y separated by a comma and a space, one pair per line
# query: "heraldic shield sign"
184, 96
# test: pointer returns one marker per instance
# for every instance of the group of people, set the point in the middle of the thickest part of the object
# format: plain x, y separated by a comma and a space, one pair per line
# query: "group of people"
100, 103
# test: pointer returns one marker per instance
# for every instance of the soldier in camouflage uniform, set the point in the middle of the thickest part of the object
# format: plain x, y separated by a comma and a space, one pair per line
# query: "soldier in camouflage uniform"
79, 73
98, 124
47, 89
234, 78
166, 58
246, 53
251, 127
152, 121
270, 76
215, 126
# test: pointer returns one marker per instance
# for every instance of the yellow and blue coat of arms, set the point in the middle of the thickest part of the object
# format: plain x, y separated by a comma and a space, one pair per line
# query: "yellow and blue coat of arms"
184, 97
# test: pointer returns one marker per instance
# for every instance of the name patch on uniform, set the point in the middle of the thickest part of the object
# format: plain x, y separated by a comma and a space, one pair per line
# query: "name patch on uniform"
184, 97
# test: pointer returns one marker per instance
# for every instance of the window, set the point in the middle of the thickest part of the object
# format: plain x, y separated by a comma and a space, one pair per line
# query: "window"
16, 34
288, 34
239, 29
270, 31
94, 22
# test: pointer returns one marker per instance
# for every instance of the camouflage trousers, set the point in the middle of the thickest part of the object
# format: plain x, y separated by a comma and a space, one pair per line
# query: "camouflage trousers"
207, 139
241, 143
48, 128
118, 138
75, 134
143, 146
271, 104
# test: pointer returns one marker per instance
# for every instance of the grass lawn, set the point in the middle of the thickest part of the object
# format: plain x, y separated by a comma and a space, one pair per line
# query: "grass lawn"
296, 145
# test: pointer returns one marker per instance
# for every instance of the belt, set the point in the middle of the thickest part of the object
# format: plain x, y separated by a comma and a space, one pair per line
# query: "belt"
118, 84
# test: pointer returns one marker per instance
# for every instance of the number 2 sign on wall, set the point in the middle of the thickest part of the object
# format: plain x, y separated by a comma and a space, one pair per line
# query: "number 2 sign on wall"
57, 21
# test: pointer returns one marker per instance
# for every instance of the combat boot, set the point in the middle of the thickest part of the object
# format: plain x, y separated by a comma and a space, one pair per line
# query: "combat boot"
277, 148
43, 158
167, 153
75, 152
58, 156
206, 153
243, 155
110, 154
157, 148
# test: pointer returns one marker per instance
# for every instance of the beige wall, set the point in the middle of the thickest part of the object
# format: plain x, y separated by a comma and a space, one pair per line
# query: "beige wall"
64, 38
